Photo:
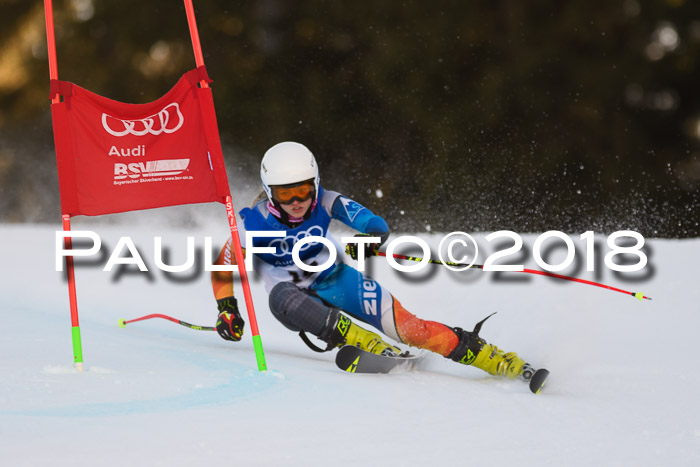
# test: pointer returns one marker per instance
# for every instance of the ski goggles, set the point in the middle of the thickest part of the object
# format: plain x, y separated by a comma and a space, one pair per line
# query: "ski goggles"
287, 194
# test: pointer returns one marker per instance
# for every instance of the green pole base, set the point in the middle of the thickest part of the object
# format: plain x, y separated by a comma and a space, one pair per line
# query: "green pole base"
259, 353
77, 346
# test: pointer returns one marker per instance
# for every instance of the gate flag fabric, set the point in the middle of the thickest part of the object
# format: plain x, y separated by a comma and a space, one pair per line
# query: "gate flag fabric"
116, 157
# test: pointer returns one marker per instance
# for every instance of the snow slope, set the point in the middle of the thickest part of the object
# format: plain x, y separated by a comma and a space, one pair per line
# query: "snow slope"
623, 389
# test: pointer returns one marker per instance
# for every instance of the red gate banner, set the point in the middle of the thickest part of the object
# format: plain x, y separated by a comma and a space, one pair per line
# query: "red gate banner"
116, 157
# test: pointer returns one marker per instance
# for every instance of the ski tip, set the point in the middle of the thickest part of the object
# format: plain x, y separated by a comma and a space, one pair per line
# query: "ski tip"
122, 323
538, 380
353, 366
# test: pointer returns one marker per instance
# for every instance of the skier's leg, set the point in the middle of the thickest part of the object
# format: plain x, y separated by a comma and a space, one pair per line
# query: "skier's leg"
358, 295
364, 298
424, 334
296, 310
457, 344
299, 311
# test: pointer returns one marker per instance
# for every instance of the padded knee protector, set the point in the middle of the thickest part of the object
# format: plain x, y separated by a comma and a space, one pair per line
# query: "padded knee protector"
297, 310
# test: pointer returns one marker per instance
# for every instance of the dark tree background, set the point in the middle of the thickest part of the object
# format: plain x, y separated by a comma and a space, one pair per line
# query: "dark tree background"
480, 115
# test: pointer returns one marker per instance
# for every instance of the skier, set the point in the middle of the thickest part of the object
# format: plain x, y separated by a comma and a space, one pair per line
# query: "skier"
317, 302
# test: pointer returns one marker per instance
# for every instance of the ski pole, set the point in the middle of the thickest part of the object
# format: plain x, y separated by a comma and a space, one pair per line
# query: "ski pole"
638, 295
123, 322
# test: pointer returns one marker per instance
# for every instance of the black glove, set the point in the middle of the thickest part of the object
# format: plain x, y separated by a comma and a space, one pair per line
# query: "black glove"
229, 324
370, 249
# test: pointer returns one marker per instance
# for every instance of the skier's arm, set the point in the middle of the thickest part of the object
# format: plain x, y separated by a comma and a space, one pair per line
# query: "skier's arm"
353, 214
229, 323
222, 281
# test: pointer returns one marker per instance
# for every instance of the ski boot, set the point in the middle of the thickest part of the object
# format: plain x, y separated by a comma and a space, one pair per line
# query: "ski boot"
340, 330
473, 350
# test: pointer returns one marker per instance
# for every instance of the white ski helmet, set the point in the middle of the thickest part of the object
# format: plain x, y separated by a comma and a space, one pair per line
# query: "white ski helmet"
287, 163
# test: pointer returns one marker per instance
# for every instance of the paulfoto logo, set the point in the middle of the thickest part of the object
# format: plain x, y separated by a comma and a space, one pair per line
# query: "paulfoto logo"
458, 251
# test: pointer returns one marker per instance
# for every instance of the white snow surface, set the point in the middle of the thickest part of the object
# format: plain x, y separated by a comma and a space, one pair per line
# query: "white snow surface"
623, 389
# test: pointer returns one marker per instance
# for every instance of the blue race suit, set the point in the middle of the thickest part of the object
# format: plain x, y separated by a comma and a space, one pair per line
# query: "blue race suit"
338, 285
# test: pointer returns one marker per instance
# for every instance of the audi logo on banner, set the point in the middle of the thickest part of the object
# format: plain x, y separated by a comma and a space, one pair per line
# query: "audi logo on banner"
168, 120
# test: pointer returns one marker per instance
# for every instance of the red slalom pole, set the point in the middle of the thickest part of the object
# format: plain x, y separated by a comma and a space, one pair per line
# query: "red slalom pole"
240, 260
638, 295
237, 248
51, 45
194, 35
67, 242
